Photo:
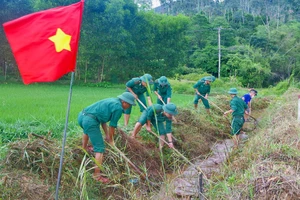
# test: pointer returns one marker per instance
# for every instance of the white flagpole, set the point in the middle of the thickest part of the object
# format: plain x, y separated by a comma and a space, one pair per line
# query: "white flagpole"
64, 139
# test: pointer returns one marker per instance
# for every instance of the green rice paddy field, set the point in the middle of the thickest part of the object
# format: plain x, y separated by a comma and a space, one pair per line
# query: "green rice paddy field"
42, 108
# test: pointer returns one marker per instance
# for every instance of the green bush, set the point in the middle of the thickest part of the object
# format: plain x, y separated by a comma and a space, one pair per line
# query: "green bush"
184, 70
185, 86
218, 83
281, 87
297, 85
194, 76
231, 82
182, 87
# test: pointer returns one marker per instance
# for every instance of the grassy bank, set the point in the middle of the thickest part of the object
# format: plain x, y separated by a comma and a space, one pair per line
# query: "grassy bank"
267, 167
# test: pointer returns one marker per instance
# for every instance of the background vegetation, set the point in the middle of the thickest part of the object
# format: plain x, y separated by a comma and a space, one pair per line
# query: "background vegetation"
259, 40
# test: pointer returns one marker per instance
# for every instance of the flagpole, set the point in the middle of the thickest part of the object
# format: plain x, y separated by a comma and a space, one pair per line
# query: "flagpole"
64, 138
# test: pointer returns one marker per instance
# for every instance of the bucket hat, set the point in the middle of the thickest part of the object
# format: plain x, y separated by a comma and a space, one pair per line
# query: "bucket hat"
170, 108
127, 97
232, 91
147, 77
208, 79
213, 78
163, 81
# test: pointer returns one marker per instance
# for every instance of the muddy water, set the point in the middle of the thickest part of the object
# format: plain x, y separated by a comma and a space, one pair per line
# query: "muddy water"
188, 182
186, 185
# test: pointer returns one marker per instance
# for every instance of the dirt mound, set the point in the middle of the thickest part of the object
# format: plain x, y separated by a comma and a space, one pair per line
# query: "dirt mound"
142, 155
197, 132
38, 155
259, 103
38, 161
29, 186
277, 186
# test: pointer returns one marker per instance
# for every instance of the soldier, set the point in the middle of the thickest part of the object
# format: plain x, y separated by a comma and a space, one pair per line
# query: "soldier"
101, 112
163, 90
164, 115
237, 108
137, 87
202, 89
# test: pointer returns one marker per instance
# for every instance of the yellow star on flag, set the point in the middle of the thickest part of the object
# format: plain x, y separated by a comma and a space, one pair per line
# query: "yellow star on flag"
61, 40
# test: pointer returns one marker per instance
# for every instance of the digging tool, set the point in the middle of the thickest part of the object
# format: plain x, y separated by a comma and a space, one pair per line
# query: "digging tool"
222, 109
141, 103
212, 103
143, 176
253, 121
187, 160
226, 116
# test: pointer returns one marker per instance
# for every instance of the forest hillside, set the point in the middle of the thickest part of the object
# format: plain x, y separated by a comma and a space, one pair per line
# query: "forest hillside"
256, 42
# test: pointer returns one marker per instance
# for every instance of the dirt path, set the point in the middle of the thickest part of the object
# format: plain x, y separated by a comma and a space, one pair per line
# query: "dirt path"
187, 183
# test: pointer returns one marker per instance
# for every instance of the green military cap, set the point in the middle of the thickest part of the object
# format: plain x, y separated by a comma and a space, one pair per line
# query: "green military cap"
213, 78
147, 77
127, 97
232, 91
170, 108
208, 79
163, 81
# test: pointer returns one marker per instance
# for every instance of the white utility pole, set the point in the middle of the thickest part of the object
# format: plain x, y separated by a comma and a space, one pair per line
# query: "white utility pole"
219, 47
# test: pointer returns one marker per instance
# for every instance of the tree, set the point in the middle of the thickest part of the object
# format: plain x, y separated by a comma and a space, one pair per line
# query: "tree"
9, 10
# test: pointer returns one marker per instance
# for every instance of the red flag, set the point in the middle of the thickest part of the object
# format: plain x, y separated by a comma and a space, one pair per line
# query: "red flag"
45, 43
